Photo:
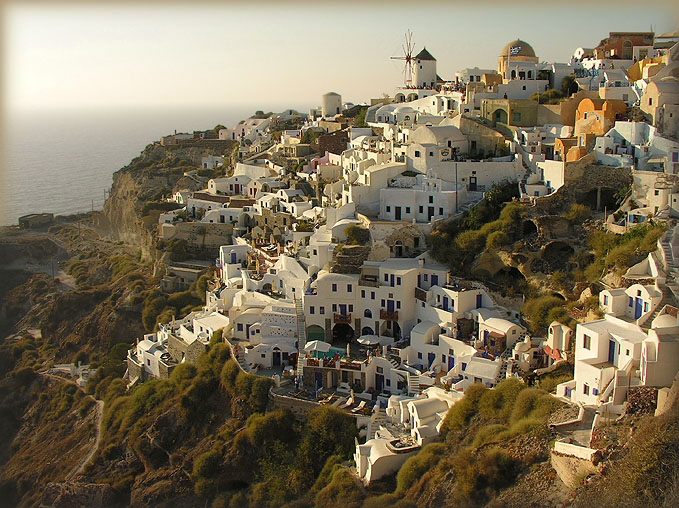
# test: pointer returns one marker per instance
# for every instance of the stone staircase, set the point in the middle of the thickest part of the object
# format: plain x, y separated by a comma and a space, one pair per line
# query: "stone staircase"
667, 299
413, 383
395, 361
376, 420
506, 359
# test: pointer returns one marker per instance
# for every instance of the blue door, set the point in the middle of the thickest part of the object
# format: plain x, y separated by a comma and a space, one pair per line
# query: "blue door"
343, 309
479, 301
233, 258
445, 303
391, 280
637, 308
390, 305
434, 280
431, 358
379, 382
247, 332
485, 337
419, 280
611, 351
451, 362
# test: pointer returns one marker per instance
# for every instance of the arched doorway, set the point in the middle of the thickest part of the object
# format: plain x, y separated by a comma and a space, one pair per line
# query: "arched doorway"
367, 313
315, 332
342, 333
366, 330
276, 357
499, 116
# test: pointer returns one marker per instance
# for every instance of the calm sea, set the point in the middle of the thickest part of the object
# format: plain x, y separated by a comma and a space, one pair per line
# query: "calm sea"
62, 162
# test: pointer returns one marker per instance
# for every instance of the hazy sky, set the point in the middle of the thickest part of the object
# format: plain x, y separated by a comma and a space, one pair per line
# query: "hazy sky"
273, 54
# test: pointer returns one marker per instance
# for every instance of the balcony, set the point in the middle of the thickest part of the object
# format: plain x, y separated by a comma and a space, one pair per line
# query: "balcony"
342, 319
350, 365
389, 315
370, 282
420, 294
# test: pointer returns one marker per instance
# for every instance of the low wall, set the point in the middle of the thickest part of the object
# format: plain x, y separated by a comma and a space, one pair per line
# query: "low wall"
572, 470
297, 407
581, 452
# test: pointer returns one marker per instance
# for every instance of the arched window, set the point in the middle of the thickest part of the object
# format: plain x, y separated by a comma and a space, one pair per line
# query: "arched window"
367, 313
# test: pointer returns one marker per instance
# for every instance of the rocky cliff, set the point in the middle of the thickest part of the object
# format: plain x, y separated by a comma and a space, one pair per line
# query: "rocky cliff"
158, 171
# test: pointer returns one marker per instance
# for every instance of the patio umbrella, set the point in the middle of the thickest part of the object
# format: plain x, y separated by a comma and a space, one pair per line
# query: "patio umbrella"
317, 345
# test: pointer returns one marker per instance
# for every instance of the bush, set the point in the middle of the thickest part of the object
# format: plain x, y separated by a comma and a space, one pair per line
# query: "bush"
577, 213
479, 478
461, 412
536, 311
497, 239
342, 491
357, 235
471, 241
413, 468
207, 464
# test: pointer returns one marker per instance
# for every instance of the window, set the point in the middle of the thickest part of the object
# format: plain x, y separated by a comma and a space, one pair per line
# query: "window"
419, 355
321, 310
380, 370
440, 211
382, 302
148, 362
630, 301
386, 277
372, 295
426, 277
349, 289
388, 209
657, 192
239, 327
334, 288
398, 304
388, 381
398, 281
645, 306
605, 299
351, 308
417, 153
407, 209
464, 366
586, 341
362, 293
431, 199
585, 389
334, 307
312, 310
421, 209
626, 352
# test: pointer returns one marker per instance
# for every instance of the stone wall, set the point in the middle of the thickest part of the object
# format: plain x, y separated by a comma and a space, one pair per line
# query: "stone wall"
180, 350
298, 407
198, 234
572, 470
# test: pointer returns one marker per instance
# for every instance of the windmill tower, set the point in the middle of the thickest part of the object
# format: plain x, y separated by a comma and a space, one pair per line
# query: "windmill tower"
407, 57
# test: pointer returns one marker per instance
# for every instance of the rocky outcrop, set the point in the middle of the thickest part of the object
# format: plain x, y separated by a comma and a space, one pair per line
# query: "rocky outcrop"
77, 495
157, 171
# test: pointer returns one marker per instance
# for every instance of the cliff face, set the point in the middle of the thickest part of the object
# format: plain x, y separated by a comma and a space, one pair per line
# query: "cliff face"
158, 171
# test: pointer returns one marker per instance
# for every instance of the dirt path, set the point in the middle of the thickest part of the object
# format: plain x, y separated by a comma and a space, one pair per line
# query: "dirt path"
99, 412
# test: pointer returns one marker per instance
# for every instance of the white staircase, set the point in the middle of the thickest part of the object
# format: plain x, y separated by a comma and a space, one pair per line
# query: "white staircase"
301, 340
378, 417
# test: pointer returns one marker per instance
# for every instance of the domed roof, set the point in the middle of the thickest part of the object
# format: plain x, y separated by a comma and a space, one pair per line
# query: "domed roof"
525, 49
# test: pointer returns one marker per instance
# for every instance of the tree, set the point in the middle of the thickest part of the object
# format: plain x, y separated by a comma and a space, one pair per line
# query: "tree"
569, 86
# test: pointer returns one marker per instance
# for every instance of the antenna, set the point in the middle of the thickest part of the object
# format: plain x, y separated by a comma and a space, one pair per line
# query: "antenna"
408, 47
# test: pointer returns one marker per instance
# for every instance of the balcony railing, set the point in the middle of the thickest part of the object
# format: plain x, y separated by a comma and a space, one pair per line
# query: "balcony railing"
389, 315
420, 294
368, 282
342, 319
350, 365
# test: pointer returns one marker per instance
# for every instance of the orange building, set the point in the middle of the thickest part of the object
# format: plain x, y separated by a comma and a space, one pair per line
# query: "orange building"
597, 116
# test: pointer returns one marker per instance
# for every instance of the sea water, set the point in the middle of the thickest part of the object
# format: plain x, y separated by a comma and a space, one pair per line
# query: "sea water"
63, 161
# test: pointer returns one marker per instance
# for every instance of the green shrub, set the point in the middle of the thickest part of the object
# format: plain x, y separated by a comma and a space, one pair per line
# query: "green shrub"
207, 464
413, 468
357, 235
471, 241
342, 491
537, 311
497, 239
577, 213
488, 434
462, 411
